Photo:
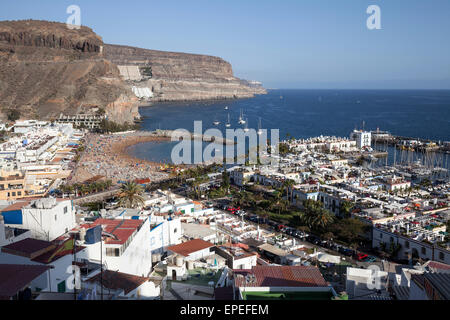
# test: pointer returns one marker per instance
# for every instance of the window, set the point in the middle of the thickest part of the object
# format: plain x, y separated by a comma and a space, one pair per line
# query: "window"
407, 244
175, 230
381, 235
19, 193
441, 255
65, 210
13, 194
55, 217
424, 250
113, 252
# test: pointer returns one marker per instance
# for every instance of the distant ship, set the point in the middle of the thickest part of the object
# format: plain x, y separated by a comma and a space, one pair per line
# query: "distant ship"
226, 108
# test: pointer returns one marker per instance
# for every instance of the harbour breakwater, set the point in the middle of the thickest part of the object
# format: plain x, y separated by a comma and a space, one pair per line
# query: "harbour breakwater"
167, 134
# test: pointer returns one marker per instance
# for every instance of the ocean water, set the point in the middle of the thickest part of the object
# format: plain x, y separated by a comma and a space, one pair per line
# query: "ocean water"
308, 113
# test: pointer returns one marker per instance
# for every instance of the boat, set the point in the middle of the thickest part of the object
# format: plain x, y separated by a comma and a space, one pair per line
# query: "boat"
241, 118
216, 122
246, 129
228, 124
226, 108
259, 127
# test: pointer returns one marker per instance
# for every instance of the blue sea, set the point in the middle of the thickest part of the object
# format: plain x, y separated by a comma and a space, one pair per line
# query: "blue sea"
308, 113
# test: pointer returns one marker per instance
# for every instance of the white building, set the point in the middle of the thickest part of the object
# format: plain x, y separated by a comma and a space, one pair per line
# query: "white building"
125, 245
46, 218
409, 248
164, 233
10, 235
39, 252
363, 138
123, 286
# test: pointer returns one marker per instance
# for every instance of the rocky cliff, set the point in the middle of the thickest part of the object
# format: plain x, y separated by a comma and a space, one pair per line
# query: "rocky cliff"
181, 76
47, 69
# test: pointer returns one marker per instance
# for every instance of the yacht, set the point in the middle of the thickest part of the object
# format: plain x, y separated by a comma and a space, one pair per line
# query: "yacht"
228, 124
259, 127
216, 122
241, 118
226, 108
246, 129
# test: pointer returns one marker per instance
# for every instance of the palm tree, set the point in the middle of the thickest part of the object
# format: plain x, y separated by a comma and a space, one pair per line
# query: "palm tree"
314, 215
130, 195
288, 185
345, 208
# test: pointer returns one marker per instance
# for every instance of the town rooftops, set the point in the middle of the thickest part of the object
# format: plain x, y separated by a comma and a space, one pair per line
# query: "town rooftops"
186, 248
29, 248
115, 280
121, 229
39, 250
441, 282
14, 278
437, 266
273, 250
280, 276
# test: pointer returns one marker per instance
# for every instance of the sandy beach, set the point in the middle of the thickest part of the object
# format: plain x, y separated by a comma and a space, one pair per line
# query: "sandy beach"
106, 155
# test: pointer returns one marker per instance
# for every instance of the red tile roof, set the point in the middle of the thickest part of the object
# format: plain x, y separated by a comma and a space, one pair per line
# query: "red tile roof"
44, 258
281, 276
434, 265
38, 250
122, 229
14, 278
189, 247
29, 248
115, 280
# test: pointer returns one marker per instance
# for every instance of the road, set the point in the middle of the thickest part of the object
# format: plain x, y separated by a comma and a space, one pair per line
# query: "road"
303, 242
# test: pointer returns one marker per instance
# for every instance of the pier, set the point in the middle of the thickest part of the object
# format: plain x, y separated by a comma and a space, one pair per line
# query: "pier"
192, 136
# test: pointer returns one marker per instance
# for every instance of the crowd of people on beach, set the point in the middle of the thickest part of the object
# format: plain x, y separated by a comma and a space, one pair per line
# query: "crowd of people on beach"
105, 155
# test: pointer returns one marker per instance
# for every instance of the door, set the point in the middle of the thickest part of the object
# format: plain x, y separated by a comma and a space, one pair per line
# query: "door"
62, 287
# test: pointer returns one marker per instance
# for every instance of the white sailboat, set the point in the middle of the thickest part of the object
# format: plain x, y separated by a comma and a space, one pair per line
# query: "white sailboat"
259, 127
226, 108
241, 118
216, 122
228, 124
246, 129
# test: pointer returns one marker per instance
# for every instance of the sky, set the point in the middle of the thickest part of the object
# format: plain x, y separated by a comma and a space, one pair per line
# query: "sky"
308, 44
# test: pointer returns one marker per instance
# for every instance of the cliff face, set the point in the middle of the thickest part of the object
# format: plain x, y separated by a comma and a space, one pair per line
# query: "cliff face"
181, 76
47, 69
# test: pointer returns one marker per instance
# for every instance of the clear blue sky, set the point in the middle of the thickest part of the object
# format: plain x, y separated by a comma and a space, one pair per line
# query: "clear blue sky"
284, 43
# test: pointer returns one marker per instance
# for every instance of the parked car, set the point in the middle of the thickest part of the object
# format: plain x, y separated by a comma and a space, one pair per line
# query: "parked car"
370, 259
361, 256
345, 251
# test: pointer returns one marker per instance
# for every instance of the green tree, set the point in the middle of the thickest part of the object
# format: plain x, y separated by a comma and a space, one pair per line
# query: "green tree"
130, 195
345, 208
